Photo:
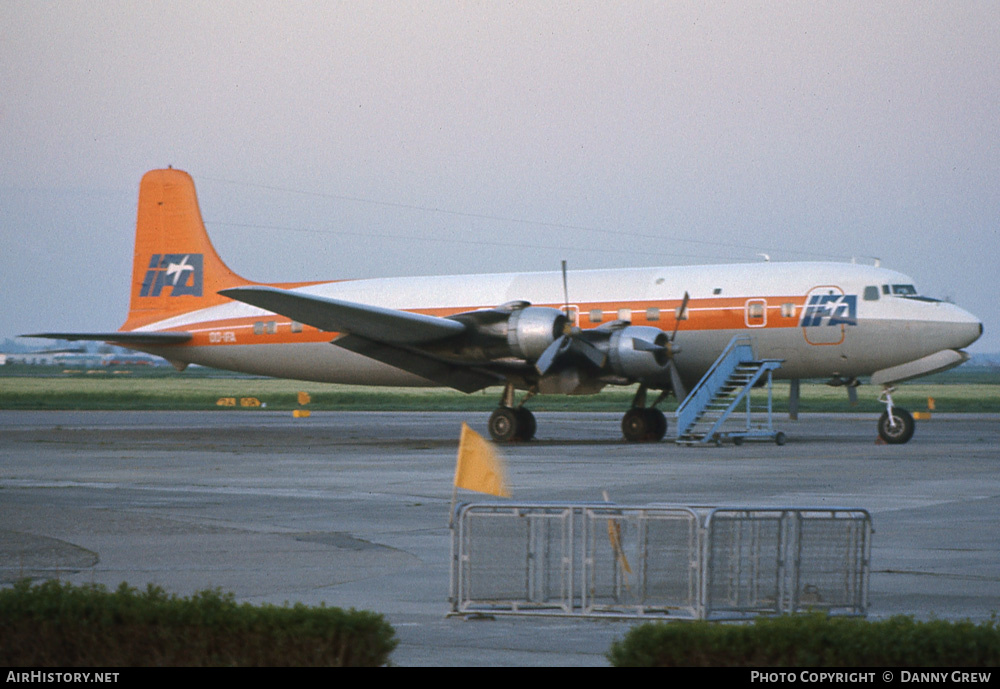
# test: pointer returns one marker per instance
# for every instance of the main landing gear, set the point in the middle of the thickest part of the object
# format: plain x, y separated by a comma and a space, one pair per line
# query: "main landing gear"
644, 424
509, 423
896, 425
640, 424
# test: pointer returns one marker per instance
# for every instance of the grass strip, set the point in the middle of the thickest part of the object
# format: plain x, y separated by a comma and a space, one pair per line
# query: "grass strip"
106, 391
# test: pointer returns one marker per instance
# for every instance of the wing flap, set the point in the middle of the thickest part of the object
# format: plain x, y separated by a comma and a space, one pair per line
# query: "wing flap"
334, 315
463, 378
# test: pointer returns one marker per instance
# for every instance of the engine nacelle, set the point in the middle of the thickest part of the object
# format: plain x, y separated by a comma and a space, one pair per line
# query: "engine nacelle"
530, 330
639, 352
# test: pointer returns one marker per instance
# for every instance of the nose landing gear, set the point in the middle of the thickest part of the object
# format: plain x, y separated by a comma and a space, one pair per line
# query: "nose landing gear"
896, 425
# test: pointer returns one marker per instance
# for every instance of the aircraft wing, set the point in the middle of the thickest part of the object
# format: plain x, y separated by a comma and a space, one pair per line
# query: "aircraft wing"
371, 322
387, 335
134, 337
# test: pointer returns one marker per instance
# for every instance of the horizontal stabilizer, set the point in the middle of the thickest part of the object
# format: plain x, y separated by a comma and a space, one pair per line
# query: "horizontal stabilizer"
133, 337
333, 315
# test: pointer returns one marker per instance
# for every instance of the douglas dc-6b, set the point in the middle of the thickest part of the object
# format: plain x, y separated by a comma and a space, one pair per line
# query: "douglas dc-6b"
662, 328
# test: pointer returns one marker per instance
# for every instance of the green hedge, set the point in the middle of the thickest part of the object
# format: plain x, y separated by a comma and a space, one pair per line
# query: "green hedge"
811, 641
55, 624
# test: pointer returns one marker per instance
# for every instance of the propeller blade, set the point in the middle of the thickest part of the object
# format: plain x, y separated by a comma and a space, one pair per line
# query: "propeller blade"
565, 288
646, 346
680, 314
675, 382
558, 347
587, 350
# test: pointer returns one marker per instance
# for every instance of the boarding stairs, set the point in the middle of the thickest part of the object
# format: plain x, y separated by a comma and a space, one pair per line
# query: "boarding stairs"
719, 393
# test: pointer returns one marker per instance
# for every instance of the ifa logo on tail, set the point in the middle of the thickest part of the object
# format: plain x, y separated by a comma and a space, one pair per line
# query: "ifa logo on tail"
830, 309
181, 273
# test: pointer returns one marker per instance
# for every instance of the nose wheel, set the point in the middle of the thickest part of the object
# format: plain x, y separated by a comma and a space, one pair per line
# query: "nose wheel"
896, 425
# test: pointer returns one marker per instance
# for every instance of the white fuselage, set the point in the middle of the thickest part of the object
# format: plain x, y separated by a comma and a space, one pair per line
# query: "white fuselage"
822, 319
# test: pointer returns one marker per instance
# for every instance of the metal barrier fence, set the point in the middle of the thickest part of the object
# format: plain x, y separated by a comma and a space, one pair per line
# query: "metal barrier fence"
673, 562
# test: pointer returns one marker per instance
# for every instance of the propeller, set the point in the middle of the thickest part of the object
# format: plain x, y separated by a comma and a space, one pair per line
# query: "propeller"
570, 342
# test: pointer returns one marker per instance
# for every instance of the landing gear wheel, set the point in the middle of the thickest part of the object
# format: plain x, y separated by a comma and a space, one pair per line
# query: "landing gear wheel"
509, 425
901, 428
504, 424
779, 439
644, 424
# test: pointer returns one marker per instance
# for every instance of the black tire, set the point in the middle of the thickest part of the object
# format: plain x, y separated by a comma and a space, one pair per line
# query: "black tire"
779, 439
657, 425
900, 431
644, 425
504, 425
526, 425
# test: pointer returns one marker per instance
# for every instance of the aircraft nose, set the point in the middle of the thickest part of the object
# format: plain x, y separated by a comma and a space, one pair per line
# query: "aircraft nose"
968, 331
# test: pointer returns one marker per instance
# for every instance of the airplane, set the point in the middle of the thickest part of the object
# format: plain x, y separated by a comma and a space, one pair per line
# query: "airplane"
660, 327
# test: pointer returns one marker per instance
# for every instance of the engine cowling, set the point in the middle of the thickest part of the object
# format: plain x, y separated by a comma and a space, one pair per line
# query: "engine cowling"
639, 352
530, 330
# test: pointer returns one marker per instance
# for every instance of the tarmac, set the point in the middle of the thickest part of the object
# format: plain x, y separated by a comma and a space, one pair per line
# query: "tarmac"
351, 509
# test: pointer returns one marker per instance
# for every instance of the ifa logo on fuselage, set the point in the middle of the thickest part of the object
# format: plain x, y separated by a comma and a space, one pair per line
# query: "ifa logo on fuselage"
830, 309
179, 272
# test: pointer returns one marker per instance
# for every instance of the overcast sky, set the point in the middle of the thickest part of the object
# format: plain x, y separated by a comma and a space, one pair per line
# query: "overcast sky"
337, 140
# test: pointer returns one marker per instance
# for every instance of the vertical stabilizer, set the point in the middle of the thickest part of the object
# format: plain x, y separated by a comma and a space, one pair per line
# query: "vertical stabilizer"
175, 268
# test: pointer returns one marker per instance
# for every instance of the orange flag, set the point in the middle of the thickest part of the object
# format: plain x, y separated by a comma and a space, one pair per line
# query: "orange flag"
479, 467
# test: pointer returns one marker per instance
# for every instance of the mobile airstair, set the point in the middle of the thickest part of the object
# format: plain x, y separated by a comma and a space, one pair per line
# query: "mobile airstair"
702, 416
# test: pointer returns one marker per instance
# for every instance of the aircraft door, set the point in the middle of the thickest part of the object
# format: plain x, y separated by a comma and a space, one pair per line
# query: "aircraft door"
826, 315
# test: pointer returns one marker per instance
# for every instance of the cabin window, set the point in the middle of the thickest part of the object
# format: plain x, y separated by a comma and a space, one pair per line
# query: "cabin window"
652, 314
871, 293
624, 314
755, 310
296, 327
596, 315
271, 327
788, 310
258, 328
681, 314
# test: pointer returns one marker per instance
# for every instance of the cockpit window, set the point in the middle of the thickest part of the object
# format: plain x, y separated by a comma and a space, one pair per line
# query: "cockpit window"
871, 293
905, 291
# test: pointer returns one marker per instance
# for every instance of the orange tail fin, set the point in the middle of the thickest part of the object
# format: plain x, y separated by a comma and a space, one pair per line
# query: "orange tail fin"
175, 268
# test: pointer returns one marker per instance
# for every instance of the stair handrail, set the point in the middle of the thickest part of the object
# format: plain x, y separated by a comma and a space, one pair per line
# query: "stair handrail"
704, 391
